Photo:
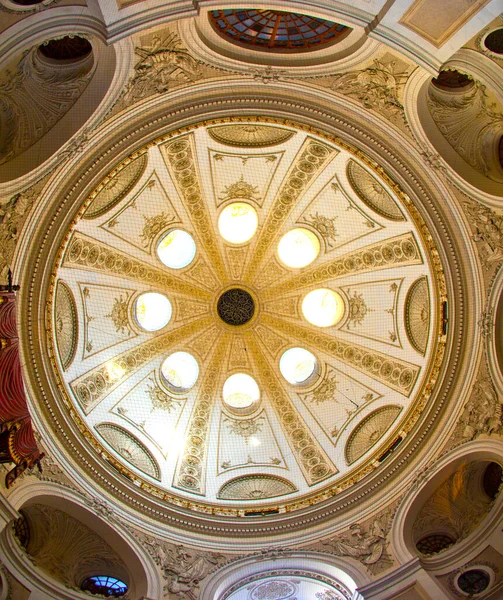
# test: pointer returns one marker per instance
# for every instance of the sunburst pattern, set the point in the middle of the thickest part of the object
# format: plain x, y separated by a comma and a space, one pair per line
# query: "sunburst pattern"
299, 441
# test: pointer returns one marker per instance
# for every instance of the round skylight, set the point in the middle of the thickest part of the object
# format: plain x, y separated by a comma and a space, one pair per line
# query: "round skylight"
323, 307
176, 249
297, 365
152, 311
298, 248
238, 222
180, 370
240, 391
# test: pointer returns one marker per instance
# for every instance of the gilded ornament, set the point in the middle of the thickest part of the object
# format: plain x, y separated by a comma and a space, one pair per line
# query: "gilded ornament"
255, 487
154, 226
116, 186
250, 135
417, 314
372, 193
180, 157
66, 324
131, 449
310, 160
397, 374
191, 469
120, 315
240, 190
393, 252
160, 399
312, 459
245, 428
369, 431
325, 226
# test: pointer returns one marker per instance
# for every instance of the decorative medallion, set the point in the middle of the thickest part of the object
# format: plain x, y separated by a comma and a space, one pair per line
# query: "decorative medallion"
417, 314
277, 589
250, 136
255, 487
236, 307
373, 193
67, 326
115, 187
367, 433
127, 446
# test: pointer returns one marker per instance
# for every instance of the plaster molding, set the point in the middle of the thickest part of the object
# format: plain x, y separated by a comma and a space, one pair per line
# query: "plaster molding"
347, 571
184, 117
415, 88
477, 66
37, 28
427, 481
215, 51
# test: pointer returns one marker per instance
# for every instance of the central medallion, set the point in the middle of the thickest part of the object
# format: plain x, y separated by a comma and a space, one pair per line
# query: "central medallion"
236, 307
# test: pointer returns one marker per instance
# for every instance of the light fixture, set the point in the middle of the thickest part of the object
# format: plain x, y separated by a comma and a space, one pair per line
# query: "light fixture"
297, 365
323, 307
176, 249
152, 311
180, 371
238, 222
240, 391
298, 248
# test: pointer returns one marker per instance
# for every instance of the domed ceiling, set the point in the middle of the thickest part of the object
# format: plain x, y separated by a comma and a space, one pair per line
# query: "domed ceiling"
245, 316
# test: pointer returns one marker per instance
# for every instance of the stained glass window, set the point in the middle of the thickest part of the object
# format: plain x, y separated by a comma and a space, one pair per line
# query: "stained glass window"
275, 29
110, 587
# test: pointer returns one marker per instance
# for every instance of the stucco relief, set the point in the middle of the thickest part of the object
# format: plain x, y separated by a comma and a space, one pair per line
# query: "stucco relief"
256, 487
472, 123
365, 542
14, 211
34, 97
163, 63
115, 187
250, 136
182, 568
66, 548
67, 328
456, 506
372, 192
131, 449
369, 431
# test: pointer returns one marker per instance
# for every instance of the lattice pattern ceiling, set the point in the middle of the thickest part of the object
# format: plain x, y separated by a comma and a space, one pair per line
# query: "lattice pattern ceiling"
275, 30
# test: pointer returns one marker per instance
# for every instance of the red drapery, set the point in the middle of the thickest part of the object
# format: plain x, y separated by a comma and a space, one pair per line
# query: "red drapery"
15, 422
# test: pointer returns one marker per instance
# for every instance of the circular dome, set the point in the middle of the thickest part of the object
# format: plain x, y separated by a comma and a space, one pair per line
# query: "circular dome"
298, 248
176, 249
238, 222
180, 370
323, 307
152, 311
276, 30
171, 396
297, 365
240, 391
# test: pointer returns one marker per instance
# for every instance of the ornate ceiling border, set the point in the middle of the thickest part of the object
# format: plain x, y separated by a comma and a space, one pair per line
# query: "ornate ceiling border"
372, 461
81, 176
